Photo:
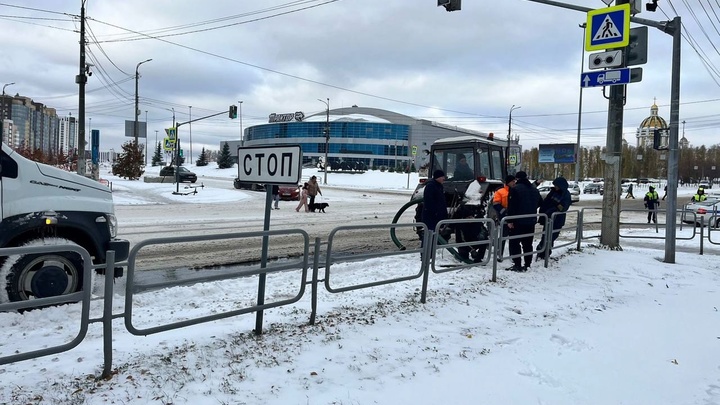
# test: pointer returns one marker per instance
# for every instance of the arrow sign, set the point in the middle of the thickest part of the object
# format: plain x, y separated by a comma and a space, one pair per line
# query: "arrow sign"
605, 78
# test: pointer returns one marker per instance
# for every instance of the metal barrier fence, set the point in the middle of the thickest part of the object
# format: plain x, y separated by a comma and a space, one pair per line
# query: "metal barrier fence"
431, 243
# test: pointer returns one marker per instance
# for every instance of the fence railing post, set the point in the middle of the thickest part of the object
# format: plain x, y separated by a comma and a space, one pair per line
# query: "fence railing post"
107, 313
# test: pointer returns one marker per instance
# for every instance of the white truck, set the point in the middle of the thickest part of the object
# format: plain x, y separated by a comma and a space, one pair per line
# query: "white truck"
41, 204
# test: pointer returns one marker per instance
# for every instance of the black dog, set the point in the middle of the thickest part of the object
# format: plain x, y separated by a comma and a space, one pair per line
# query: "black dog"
318, 206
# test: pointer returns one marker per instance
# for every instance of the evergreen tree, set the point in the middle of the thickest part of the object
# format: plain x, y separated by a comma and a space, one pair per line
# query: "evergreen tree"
129, 163
224, 161
157, 157
202, 160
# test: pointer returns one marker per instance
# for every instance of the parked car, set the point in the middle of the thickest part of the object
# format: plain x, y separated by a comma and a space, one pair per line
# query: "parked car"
248, 186
707, 209
574, 190
544, 190
705, 185
183, 173
593, 188
289, 192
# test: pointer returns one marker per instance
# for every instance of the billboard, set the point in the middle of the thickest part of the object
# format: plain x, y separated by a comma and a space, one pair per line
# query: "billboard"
557, 153
130, 126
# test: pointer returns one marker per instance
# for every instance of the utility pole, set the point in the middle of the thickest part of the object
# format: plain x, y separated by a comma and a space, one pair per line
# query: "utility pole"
673, 27
610, 229
508, 139
81, 79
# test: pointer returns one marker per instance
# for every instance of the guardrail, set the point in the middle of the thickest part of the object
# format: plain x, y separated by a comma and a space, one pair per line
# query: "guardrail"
431, 243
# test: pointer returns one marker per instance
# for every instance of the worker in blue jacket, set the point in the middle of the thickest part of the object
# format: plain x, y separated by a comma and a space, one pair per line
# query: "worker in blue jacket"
557, 200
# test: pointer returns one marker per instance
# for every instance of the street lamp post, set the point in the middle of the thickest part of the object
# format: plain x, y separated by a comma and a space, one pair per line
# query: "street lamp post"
513, 108
327, 135
146, 139
577, 148
137, 101
2, 120
176, 138
190, 136
155, 146
242, 136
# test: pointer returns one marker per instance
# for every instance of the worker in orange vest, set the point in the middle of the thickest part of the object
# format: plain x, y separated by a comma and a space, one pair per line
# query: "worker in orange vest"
500, 204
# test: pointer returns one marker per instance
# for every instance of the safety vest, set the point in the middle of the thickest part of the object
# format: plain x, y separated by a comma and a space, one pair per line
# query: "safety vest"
501, 196
700, 197
652, 195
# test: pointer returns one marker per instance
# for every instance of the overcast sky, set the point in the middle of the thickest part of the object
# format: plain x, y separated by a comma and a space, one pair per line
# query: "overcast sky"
465, 68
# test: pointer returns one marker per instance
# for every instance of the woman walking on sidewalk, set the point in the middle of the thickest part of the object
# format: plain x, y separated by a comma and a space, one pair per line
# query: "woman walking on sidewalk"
303, 198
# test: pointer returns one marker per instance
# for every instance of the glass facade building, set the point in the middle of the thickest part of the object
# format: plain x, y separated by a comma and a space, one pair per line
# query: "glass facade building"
368, 142
371, 136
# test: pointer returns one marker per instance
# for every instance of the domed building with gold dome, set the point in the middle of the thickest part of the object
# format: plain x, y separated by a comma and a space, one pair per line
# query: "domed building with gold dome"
646, 131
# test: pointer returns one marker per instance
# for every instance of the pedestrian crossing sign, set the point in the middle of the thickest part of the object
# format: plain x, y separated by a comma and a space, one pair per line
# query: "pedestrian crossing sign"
608, 28
168, 144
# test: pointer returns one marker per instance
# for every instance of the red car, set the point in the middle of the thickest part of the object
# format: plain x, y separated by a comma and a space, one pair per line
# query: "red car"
289, 192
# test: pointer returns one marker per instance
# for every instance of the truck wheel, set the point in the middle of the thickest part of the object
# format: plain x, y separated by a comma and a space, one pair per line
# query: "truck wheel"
44, 275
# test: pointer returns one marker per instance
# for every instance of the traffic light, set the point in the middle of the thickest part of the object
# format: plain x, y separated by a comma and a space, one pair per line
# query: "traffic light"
232, 113
450, 5
657, 140
637, 48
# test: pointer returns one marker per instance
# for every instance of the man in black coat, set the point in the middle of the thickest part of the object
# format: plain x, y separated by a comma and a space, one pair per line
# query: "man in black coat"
557, 200
434, 204
523, 199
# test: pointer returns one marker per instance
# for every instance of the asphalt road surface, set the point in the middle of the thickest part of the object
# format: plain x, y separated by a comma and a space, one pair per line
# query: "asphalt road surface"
348, 207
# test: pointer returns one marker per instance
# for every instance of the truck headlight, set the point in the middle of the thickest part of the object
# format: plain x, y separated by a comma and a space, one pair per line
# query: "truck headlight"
111, 222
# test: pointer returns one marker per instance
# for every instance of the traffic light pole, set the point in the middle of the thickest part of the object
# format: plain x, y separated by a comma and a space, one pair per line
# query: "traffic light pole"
177, 146
611, 201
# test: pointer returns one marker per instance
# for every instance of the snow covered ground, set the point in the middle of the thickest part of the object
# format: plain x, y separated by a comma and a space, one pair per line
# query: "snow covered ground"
596, 327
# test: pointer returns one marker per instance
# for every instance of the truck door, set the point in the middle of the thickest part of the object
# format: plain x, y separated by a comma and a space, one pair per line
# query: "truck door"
8, 170
1, 190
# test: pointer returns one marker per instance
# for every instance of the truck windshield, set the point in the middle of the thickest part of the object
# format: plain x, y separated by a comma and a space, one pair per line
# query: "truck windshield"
457, 163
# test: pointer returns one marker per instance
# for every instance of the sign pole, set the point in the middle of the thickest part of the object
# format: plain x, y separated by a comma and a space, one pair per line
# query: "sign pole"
610, 229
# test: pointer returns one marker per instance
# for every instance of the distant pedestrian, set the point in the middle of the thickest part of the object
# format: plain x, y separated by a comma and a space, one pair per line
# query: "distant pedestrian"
276, 196
652, 203
630, 192
434, 204
500, 204
523, 199
665, 194
557, 200
313, 189
303, 198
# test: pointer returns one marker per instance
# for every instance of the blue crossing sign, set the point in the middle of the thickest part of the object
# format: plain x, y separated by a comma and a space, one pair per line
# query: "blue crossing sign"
608, 28
605, 78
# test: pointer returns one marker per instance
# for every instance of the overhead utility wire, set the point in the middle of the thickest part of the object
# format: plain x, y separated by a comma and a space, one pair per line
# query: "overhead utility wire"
32, 9
144, 36
92, 35
283, 73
